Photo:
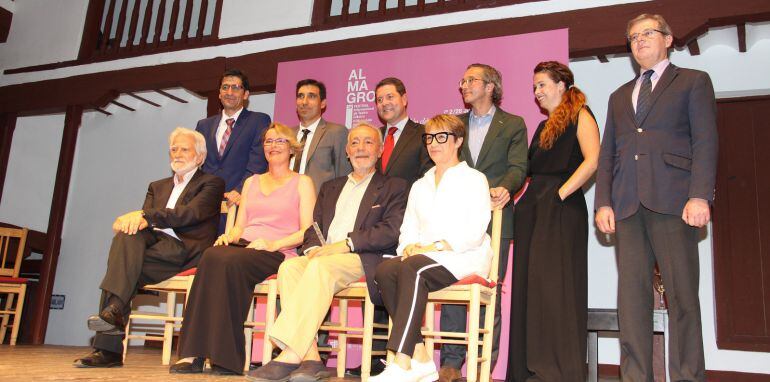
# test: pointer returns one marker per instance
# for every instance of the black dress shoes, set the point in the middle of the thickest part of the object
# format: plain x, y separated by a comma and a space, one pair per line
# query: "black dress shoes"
194, 367
100, 358
378, 365
109, 321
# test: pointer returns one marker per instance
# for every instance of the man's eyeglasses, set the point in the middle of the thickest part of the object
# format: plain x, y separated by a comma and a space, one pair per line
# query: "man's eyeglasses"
235, 88
647, 34
468, 81
276, 141
439, 137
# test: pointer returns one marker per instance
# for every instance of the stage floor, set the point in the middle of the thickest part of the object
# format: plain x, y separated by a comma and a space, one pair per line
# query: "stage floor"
54, 363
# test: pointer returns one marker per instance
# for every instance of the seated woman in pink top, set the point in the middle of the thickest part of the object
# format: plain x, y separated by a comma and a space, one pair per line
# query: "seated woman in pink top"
275, 210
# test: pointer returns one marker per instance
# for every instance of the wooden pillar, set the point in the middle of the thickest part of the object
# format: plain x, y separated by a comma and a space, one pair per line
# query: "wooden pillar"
7, 126
55, 224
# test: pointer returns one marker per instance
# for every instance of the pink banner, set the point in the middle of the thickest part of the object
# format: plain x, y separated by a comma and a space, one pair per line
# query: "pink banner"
431, 75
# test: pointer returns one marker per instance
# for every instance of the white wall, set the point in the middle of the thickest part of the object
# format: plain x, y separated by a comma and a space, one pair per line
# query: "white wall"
245, 17
732, 73
43, 32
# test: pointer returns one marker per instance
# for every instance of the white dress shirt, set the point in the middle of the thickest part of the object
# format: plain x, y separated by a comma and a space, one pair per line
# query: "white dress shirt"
305, 149
399, 129
179, 186
223, 125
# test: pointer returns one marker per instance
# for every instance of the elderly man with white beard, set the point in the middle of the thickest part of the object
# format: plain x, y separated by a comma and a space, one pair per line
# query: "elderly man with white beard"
177, 222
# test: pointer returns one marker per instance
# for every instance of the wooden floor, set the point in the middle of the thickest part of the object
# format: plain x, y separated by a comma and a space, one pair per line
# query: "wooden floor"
54, 363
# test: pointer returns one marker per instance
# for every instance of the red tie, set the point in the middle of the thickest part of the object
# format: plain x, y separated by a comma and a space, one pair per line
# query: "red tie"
389, 143
226, 135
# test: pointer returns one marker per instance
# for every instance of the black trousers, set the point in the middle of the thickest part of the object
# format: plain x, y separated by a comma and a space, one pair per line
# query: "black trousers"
219, 303
134, 261
643, 238
404, 286
454, 318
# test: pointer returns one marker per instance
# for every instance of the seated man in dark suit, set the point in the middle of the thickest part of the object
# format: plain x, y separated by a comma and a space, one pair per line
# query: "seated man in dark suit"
234, 137
360, 216
177, 222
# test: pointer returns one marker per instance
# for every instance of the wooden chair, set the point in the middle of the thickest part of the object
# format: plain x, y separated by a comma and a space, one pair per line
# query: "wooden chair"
179, 284
269, 290
475, 292
11, 285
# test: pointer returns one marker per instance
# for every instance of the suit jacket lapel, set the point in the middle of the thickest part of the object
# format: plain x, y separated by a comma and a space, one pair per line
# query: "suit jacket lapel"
237, 130
330, 208
495, 127
212, 138
164, 192
370, 196
665, 79
187, 188
409, 133
317, 135
628, 100
466, 152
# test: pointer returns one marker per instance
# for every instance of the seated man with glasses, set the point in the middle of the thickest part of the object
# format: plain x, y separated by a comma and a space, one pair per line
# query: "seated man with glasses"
234, 137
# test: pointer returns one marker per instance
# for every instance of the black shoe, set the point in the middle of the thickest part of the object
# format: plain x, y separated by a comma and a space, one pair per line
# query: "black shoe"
100, 358
219, 370
109, 321
310, 371
378, 365
273, 371
194, 367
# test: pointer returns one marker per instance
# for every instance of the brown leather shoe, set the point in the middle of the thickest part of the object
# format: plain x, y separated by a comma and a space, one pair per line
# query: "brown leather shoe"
448, 374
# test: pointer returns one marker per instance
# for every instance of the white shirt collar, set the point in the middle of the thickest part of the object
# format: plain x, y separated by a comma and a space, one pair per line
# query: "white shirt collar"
235, 116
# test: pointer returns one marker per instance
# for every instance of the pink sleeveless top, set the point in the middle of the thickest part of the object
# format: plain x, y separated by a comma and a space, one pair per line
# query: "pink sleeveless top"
272, 216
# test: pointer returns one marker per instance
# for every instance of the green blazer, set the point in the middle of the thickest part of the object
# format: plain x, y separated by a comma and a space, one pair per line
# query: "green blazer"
503, 158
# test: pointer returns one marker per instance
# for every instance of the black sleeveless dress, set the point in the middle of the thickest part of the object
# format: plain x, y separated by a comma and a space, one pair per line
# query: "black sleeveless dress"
551, 240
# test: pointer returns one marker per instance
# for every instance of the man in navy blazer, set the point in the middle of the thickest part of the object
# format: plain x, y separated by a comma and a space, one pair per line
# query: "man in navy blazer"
654, 187
234, 137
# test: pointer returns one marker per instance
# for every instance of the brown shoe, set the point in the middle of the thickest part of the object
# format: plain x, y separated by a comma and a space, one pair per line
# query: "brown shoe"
448, 374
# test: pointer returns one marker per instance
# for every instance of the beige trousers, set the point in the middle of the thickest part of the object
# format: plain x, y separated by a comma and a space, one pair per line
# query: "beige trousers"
307, 287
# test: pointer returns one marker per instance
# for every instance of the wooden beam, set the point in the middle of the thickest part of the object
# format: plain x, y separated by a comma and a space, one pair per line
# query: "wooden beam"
602, 58
169, 95
7, 126
116, 103
741, 37
40, 310
105, 112
142, 99
693, 47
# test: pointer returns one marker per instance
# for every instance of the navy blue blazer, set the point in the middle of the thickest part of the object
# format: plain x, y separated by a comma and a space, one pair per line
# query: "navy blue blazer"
244, 154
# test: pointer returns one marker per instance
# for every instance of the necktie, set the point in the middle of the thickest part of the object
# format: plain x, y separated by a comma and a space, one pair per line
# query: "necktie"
298, 157
388, 149
226, 136
643, 100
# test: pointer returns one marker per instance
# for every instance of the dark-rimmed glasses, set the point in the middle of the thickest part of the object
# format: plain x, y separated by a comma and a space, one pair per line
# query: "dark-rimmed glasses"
468, 81
440, 137
647, 34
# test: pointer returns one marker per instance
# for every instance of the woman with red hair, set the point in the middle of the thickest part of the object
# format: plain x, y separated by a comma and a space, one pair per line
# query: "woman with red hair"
551, 233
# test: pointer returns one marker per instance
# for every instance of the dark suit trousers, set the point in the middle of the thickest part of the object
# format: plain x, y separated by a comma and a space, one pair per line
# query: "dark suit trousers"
454, 319
136, 260
643, 238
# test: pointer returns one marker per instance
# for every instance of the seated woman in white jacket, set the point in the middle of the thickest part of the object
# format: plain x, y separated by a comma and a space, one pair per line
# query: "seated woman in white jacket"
443, 239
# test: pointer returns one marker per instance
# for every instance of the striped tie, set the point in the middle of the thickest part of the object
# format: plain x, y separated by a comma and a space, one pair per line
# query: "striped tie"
643, 100
226, 136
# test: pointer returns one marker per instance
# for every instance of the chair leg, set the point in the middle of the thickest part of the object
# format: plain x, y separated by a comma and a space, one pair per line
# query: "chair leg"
270, 313
6, 316
486, 345
390, 355
593, 356
168, 327
473, 334
17, 315
127, 337
248, 335
366, 345
430, 312
342, 338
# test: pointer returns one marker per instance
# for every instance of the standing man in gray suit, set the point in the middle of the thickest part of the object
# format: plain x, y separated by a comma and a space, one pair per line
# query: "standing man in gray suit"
654, 187
496, 146
323, 154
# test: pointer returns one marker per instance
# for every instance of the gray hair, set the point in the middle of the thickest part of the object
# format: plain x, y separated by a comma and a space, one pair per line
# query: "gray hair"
363, 124
200, 141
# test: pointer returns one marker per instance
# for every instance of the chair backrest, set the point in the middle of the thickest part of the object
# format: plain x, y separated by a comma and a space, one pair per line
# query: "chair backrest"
497, 228
10, 260
230, 211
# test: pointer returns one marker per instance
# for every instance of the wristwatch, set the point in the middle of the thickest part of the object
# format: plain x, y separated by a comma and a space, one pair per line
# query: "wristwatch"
439, 245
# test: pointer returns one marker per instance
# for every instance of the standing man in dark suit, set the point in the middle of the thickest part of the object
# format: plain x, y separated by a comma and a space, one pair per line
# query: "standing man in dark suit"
654, 187
496, 146
176, 223
323, 143
234, 137
360, 216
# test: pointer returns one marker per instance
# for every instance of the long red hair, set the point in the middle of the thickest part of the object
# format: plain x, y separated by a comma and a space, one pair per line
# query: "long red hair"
571, 102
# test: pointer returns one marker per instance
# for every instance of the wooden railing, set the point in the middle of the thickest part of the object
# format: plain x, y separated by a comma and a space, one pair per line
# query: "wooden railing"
119, 28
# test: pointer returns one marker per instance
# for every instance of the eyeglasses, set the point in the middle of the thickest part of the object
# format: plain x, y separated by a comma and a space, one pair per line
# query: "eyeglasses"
647, 34
439, 137
469, 81
227, 87
276, 141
